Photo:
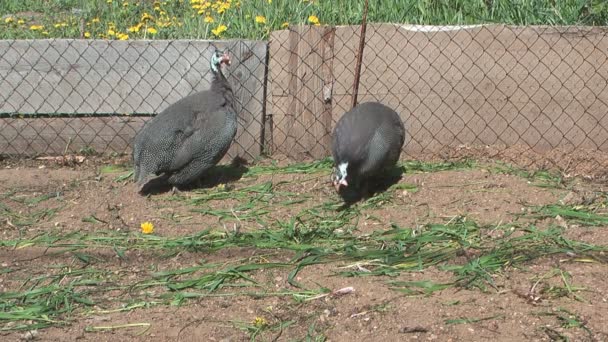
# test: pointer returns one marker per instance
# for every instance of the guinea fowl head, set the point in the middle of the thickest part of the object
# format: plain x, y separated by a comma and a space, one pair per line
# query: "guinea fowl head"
218, 58
339, 176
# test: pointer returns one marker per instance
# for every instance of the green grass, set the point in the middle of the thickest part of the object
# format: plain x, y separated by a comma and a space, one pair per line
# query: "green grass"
316, 233
581, 215
472, 320
44, 301
567, 320
175, 19
540, 178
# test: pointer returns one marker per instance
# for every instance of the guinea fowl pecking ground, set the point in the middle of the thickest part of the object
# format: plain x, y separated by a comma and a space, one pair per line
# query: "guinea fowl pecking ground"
366, 143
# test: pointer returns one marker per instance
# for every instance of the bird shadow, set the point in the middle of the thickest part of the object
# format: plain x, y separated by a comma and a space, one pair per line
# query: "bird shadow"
371, 187
218, 174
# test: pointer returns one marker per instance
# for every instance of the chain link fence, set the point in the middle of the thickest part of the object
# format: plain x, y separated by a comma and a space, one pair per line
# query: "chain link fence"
534, 96
73, 96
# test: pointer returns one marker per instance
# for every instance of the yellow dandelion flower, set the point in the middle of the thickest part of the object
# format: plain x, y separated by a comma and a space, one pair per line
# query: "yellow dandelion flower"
20, 21
156, 6
145, 17
269, 1
223, 7
284, 25
260, 19
9, 20
209, 19
111, 32
313, 19
36, 27
95, 20
219, 30
259, 322
87, 34
46, 33
125, 4
152, 30
122, 36
58, 25
134, 28
147, 228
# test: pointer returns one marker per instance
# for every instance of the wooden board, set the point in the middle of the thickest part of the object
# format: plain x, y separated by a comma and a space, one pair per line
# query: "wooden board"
541, 87
298, 102
98, 77
59, 135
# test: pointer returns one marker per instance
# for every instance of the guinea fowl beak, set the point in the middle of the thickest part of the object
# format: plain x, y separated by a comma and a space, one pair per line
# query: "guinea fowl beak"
340, 183
226, 58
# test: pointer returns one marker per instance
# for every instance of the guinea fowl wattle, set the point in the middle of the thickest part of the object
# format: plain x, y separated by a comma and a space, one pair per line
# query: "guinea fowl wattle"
190, 136
366, 140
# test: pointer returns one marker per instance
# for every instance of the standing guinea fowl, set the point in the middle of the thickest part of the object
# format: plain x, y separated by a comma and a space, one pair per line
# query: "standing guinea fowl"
367, 140
190, 136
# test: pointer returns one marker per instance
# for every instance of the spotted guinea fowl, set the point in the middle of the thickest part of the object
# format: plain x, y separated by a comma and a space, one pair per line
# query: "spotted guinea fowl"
366, 140
190, 136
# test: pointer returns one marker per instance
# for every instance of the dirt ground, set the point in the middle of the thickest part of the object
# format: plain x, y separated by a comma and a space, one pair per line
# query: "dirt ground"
79, 198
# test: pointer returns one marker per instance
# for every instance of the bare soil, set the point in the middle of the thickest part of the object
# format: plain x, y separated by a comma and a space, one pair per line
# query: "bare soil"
512, 311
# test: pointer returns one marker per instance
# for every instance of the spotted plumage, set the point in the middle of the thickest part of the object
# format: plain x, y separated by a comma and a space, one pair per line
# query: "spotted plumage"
188, 137
366, 140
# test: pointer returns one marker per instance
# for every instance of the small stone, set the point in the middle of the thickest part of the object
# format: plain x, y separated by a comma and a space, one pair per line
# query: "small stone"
29, 335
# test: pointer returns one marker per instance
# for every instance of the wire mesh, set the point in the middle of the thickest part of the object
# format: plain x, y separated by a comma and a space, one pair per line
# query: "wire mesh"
65, 96
534, 96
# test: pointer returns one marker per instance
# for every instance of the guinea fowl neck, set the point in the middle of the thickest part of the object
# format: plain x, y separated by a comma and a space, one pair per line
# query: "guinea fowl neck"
220, 85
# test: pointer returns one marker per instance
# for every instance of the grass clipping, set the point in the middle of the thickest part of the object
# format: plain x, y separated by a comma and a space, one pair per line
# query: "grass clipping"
322, 233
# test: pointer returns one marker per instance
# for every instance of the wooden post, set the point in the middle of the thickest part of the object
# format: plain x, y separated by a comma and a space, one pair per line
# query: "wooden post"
309, 115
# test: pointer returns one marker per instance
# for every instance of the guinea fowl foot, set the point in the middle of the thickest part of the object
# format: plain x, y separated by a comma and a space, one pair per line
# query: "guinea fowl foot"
175, 191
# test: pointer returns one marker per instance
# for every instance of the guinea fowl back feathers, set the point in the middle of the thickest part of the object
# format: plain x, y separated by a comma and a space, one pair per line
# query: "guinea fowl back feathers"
369, 138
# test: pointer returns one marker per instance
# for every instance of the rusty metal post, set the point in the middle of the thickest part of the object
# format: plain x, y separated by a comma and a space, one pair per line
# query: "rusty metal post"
360, 55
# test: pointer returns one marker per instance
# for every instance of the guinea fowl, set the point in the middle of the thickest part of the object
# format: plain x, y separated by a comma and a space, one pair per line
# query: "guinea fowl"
178, 145
366, 140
